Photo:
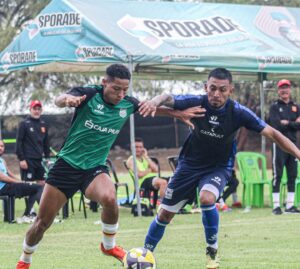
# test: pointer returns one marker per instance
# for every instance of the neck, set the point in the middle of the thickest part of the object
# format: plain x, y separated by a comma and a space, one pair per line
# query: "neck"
285, 100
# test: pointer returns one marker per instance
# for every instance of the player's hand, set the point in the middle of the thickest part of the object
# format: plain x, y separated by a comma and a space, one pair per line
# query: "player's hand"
147, 107
284, 122
74, 101
190, 113
23, 165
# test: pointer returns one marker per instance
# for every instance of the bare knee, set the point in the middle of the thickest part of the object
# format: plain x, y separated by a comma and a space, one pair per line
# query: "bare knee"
165, 216
207, 198
109, 199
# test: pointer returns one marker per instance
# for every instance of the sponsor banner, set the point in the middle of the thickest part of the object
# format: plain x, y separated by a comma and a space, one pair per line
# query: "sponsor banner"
55, 24
17, 58
267, 61
93, 52
206, 32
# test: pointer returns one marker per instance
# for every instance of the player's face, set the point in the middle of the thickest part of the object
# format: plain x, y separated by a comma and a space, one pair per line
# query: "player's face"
284, 92
139, 149
2, 148
115, 90
35, 112
218, 91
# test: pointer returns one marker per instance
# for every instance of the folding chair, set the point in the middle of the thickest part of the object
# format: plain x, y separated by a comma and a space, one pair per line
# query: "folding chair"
145, 193
253, 171
117, 182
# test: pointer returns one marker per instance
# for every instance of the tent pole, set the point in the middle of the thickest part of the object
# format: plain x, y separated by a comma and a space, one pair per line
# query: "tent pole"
262, 77
132, 145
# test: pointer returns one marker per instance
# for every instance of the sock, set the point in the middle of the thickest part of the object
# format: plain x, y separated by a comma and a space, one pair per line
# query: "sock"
290, 200
234, 197
155, 233
27, 252
210, 220
222, 203
276, 201
109, 235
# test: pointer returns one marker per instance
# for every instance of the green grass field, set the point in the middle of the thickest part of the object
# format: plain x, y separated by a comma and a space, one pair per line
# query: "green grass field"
255, 240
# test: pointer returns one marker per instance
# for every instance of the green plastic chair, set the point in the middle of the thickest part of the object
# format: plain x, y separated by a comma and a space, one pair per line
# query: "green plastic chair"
283, 187
253, 172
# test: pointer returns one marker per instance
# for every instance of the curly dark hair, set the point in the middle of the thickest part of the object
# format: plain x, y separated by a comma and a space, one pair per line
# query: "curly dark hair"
118, 71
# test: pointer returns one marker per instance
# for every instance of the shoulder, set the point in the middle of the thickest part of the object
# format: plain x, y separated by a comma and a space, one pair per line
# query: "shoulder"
87, 90
133, 101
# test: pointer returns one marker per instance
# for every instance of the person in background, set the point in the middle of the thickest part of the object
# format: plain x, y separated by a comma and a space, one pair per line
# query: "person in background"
10, 185
147, 170
33, 144
285, 117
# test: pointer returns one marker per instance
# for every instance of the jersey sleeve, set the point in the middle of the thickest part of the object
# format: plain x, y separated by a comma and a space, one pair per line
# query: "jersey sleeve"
250, 120
182, 102
134, 101
80, 91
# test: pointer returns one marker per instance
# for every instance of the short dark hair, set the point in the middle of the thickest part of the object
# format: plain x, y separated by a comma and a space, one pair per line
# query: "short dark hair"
138, 139
220, 73
118, 71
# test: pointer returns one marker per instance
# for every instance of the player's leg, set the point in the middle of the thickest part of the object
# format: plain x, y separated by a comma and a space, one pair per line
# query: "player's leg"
279, 159
181, 189
292, 169
102, 190
52, 200
211, 185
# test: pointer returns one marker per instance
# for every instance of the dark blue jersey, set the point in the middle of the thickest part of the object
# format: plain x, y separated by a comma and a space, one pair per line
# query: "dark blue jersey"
213, 141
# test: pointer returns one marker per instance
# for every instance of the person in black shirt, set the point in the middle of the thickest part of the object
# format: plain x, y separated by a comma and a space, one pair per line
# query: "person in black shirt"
285, 117
33, 144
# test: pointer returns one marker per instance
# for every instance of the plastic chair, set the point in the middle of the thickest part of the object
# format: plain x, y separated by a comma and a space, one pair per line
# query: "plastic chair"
283, 187
144, 193
253, 171
117, 182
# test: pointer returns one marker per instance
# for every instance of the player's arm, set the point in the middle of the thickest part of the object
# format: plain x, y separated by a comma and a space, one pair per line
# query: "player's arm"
183, 115
149, 107
283, 142
68, 100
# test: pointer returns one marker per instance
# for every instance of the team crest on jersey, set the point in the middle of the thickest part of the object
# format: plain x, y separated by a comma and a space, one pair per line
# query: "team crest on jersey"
43, 129
294, 109
123, 112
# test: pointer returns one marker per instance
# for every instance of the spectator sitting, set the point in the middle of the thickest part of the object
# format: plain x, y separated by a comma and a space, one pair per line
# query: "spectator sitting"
10, 185
147, 170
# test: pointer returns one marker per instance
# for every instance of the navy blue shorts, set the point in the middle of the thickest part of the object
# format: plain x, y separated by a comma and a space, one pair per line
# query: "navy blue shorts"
183, 185
69, 180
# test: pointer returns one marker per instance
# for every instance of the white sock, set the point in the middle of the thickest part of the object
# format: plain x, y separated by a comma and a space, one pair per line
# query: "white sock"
215, 245
276, 200
109, 235
27, 252
221, 202
290, 200
234, 197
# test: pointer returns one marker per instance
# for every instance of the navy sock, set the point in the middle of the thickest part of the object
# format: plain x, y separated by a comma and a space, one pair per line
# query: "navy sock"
210, 220
155, 233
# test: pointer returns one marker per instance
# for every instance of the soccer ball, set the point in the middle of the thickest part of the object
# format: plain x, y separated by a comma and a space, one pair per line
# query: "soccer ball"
139, 258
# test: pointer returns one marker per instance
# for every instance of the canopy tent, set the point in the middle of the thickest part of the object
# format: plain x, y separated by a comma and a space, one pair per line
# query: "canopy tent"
159, 39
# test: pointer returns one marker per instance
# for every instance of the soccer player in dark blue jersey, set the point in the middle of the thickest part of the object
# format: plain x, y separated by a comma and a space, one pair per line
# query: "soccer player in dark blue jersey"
207, 156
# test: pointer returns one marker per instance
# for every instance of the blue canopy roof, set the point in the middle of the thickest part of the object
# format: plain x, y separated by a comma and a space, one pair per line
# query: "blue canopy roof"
87, 35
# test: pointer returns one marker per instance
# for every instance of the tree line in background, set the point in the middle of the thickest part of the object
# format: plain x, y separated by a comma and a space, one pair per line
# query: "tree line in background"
25, 86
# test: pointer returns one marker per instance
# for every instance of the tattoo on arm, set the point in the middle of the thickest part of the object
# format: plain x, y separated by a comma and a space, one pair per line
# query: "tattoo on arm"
164, 100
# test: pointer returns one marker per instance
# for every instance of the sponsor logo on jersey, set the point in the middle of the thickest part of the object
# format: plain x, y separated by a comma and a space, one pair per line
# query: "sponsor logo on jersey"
102, 129
204, 32
217, 180
92, 52
123, 112
213, 120
55, 24
99, 109
212, 133
169, 193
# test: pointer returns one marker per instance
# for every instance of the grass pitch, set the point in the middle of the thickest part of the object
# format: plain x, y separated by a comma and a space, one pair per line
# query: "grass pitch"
255, 240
